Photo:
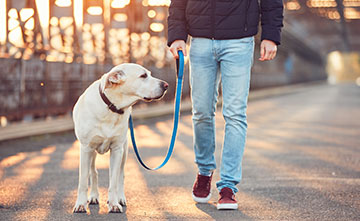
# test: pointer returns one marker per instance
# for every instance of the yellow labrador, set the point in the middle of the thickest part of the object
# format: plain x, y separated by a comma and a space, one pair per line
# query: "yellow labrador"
101, 122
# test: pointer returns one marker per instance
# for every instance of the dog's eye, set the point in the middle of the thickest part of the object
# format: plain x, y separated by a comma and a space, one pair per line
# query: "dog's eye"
144, 75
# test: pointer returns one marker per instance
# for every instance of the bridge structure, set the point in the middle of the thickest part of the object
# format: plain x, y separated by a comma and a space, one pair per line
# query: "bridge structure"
51, 50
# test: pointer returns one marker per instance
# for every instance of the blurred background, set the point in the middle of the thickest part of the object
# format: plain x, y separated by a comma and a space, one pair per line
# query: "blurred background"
51, 50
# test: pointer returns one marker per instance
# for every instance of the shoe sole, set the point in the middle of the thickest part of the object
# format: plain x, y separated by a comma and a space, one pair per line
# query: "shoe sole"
227, 206
201, 199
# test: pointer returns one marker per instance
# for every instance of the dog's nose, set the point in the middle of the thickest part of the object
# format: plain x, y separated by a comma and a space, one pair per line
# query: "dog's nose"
164, 85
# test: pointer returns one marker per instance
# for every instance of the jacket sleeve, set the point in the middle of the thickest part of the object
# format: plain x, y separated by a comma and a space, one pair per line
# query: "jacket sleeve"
271, 20
177, 29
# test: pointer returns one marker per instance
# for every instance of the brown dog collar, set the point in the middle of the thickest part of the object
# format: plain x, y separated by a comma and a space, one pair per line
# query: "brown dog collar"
110, 105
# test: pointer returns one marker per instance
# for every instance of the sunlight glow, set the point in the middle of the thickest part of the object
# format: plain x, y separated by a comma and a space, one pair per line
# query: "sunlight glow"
78, 14
321, 3
12, 160
183, 208
145, 36
352, 13
15, 37
293, 5
157, 2
357, 81
13, 23
120, 17
119, 3
3, 24
157, 27
26, 13
54, 21
336, 60
134, 37
160, 16
61, 36
327, 8
43, 8
65, 22
95, 10
147, 201
107, 12
174, 166
3, 121
71, 157
353, 3
13, 13
63, 3
30, 24
28, 169
151, 14
48, 150
333, 14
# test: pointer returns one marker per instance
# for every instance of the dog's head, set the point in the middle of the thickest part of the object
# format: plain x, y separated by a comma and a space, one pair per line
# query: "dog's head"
132, 82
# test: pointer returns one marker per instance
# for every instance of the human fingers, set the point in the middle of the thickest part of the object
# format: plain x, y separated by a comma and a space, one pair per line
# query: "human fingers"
272, 50
262, 52
183, 47
176, 46
273, 54
267, 55
174, 52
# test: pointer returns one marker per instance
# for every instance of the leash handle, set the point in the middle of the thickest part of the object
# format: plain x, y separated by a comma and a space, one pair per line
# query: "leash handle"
180, 74
178, 66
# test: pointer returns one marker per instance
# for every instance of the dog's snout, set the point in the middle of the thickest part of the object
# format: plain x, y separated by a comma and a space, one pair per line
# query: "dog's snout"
164, 85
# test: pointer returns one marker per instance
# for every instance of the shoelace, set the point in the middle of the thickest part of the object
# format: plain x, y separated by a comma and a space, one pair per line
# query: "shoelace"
203, 182
226, 194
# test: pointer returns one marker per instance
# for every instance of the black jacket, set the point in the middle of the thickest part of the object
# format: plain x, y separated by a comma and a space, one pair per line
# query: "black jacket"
224, 19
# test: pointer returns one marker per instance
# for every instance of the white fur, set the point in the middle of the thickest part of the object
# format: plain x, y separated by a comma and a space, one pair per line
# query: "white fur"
99, 129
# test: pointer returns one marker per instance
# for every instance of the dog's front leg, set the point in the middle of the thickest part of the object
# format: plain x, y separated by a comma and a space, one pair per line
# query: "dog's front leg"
94, 190
115, 162
81, 202
120, 187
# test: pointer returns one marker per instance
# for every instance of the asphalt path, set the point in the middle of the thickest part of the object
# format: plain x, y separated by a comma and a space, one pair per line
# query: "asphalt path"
301, 162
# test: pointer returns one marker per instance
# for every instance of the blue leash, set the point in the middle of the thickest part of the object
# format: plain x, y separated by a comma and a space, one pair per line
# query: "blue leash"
180, 73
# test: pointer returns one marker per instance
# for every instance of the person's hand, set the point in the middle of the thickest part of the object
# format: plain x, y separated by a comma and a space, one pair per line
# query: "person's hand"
178, 45
267, 50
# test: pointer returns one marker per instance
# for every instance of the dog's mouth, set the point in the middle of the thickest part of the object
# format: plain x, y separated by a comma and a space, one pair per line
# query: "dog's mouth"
148, 99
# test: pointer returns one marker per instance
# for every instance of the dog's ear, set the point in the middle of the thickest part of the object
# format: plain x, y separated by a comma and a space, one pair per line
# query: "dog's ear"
116, 77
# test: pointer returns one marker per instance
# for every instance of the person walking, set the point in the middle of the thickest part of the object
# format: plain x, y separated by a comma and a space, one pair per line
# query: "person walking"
221, 48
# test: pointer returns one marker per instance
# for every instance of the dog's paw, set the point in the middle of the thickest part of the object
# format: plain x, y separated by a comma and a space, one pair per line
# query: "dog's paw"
79, 209
93, 200
117, 208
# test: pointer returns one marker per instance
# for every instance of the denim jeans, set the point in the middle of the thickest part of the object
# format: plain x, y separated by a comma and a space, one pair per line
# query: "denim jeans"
229, 61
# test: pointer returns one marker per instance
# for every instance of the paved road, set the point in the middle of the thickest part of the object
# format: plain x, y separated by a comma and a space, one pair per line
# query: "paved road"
302, 162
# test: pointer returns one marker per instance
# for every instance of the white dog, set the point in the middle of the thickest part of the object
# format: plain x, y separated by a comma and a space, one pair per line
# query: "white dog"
101, 122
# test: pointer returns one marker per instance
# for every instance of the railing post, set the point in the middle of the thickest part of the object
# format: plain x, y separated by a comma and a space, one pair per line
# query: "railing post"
344, 32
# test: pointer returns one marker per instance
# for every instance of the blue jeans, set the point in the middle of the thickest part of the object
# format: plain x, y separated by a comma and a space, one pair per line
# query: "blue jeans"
230, 61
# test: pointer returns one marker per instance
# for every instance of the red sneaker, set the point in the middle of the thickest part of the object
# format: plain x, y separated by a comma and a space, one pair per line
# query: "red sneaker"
227, 199
201, 189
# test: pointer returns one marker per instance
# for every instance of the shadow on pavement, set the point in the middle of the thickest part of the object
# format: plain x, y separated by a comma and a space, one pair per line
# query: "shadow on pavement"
211, 210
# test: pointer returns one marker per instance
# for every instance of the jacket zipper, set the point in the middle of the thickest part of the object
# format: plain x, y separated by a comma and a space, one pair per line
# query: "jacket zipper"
246, 15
